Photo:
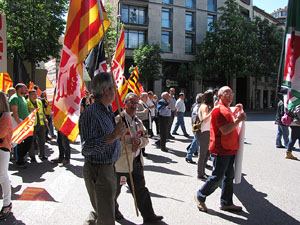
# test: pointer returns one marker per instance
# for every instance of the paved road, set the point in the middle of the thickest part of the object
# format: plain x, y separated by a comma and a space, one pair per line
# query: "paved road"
269, 192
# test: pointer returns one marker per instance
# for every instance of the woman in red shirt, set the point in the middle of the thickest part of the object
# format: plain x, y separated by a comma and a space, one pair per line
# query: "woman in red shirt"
6, 131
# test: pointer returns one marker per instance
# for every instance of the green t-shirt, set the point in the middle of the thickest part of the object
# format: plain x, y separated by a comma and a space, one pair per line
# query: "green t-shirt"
22, 105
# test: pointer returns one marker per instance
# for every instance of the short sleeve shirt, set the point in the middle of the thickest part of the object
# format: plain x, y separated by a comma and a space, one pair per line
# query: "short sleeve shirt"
22, 105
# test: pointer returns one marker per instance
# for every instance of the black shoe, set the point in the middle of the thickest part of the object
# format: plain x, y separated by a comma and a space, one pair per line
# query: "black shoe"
209, 167
171, 137
186, 135
157, 144
203, 178
33, 160
152, 219
174, 133
280, 146
118, 215
165, 150
43, 158
190, 161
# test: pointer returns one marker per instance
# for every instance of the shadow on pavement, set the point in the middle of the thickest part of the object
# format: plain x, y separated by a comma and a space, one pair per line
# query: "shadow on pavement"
261, 116
260, 210
11, 219
127, 222
178, 153
161, 196
159, 159
161, 169
33, 172
76, 170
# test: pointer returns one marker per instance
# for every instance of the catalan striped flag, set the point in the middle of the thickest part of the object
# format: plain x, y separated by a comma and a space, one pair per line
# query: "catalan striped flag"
118, 65
25, 128
84, 31
133, 82
5, 82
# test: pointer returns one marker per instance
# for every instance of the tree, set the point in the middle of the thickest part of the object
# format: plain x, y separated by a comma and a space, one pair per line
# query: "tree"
34, 27
268, 49
229, 47
148, 60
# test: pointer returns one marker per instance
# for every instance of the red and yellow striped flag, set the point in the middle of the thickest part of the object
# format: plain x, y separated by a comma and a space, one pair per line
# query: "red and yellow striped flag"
5, 82
83, 32
118, 65
133, 82
25, 128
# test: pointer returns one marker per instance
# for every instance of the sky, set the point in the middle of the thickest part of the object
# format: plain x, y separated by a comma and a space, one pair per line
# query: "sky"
270, 6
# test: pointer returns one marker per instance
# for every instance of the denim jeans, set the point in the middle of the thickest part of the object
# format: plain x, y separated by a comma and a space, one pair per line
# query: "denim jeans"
180, 122
223, 172
295, 134
282, 131
193, 148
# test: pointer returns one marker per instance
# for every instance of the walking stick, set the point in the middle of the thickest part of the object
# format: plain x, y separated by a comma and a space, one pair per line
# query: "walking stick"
118, 104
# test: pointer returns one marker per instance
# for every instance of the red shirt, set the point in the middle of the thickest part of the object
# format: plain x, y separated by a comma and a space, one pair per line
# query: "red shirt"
218, 120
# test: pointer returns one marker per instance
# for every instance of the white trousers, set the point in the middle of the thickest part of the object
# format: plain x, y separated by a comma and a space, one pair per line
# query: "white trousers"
4, 179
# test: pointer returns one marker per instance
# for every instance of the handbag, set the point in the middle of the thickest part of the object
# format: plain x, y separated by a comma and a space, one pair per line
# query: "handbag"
196, 126
286, 120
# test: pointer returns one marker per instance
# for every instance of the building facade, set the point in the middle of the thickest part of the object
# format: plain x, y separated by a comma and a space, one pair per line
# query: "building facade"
178, 25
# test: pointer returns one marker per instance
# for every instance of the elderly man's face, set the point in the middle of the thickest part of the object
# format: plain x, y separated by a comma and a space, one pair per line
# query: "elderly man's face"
227, 96
144, 98
131, 105
172, 91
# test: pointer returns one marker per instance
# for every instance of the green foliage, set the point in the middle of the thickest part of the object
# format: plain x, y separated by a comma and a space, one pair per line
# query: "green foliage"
269, 45
112, 32
229, 49
34, 27
148, 60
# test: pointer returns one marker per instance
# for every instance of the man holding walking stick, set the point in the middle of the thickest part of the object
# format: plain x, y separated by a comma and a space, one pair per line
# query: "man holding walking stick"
134, 140
101, 149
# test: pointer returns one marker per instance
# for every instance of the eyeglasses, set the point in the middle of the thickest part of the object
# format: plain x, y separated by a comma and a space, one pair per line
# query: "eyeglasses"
132, 103
229, 94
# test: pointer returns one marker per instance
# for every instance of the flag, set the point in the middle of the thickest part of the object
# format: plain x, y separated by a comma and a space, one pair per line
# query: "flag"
118, 65
290, 67
31, 87
133, 82
24, 129
5, 82
20, 74
95, 61
84, 31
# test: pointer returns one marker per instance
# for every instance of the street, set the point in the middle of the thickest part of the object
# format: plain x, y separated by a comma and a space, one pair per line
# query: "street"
44, 193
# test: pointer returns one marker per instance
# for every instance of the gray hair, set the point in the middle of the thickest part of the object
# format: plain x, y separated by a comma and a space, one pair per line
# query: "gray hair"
144, 94
199, 98
100, 81
164, 93
222, 89
129, 95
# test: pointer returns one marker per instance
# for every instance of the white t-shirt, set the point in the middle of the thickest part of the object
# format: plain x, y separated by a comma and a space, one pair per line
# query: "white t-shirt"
150, 104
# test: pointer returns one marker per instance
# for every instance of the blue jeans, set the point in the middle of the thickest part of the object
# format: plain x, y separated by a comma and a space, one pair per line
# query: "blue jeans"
282, 131
193, 148
223, 172
295, 134
180, 122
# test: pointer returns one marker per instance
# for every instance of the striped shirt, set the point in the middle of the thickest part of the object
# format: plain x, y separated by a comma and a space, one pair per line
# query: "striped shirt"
94, 124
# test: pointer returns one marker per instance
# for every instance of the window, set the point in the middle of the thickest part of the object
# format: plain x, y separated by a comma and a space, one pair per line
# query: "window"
166, 41
131, 14
246, 2
189, 43
189, 21
210, 20
212, 5
190, 4
168, 2
283, 13
134, 38
166, 18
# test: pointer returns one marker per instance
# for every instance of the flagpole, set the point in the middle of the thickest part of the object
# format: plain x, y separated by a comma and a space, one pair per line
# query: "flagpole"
118, 104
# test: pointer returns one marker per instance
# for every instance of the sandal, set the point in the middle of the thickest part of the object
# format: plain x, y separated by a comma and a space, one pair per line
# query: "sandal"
5, 211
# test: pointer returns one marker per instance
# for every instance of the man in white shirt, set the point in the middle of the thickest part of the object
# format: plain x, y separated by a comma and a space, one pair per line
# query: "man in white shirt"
180, 108
172, 102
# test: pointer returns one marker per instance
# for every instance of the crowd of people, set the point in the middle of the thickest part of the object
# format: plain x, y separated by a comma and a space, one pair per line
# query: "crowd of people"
114, 146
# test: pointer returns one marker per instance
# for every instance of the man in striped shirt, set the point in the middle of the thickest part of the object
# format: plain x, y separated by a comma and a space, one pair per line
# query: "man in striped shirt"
101, 149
